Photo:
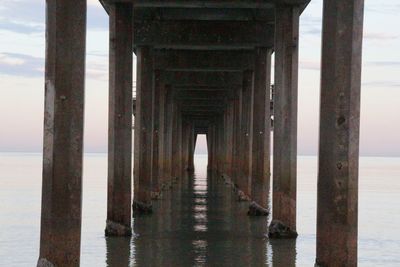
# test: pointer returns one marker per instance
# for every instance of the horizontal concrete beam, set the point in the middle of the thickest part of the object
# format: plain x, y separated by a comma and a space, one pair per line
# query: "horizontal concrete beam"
201, 102
201, 88
201, 95
207, 3
187, 78
216, 14
189, 60
204, 34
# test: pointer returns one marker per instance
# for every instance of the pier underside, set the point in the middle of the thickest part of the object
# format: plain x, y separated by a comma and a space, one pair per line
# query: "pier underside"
203, 67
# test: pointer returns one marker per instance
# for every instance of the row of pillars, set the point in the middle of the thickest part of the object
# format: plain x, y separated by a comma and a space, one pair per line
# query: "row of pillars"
238, 140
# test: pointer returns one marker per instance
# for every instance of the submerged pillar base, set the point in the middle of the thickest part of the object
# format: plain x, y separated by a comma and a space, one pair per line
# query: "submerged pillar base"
257, 210
279, 230
242, 196
117, 229
44, 263
140, 208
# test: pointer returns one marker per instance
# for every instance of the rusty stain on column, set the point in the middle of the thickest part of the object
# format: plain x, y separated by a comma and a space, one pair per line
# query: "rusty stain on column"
143, 131
120, 122
283, 224
337, 208
260, 169
60, 230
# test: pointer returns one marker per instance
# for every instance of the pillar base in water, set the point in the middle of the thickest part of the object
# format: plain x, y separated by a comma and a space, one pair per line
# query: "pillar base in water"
140, 208
279, 230
257, 210
44, 263
117, 229
242, 196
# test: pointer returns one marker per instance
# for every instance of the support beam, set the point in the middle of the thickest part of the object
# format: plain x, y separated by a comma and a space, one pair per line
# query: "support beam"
168, 135
60, 230
260, 168
143, 131
155, 170
337, 208
205, 78
244, 180
120, 122
189, 60
210, 35
237, 136
283, 224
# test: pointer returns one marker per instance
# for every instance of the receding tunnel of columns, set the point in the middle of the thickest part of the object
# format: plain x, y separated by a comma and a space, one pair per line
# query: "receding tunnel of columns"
202, 68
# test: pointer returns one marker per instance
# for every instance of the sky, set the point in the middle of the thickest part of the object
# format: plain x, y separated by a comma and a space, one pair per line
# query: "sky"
22, 47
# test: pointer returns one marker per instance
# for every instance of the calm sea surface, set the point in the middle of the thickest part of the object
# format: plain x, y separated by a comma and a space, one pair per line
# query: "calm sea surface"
199, 223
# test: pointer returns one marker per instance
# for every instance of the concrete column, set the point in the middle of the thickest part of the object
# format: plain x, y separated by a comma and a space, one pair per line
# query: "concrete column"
120, 122
161, 136
191, 148
285, 122
260, 169
174, 143
337, 209
237, 135
180, 145
168, 135
229, 138
210, 147
155, 170
143, 131
244, 181
60, 234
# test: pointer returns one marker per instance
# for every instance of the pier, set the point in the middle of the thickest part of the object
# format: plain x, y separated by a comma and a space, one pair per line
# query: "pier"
203, 67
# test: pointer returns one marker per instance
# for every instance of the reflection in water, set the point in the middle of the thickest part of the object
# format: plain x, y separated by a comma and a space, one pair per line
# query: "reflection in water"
118, 251
197, 223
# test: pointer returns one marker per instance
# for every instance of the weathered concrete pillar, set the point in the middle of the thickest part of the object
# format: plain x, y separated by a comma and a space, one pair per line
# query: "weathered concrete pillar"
168, 135
155, 170
161, 135
337, 209
285, 122
237, 135
60, 235
120, 122
229, 138
192, 144
180, 146
244, 181
260, 169
143, 131
174, 142
210, 146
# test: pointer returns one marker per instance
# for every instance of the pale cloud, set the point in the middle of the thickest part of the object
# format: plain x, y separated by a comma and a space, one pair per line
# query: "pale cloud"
7, 59
21, 65
310, 65
382, 36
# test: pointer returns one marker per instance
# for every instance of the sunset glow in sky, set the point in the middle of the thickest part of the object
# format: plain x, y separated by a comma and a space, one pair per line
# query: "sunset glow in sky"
22, 47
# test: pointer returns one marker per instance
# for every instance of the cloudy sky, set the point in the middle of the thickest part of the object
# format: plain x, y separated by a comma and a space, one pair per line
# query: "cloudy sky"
22, 43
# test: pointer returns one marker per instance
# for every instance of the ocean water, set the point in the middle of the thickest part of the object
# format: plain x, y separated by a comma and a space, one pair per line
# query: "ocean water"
198, 222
